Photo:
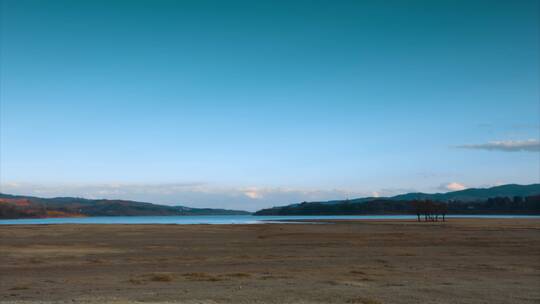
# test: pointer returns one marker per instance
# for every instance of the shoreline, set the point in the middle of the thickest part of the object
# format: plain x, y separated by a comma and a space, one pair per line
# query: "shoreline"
236, 220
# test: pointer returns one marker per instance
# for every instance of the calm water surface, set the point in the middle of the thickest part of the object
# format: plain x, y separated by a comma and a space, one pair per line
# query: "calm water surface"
223, 219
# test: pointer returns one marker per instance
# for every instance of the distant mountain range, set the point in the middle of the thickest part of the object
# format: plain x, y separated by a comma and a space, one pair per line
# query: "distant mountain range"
505, 199
17, 206
511, 198
475, 194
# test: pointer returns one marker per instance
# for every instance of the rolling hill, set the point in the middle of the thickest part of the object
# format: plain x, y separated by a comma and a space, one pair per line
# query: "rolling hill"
505, 199
475, 194
17, 206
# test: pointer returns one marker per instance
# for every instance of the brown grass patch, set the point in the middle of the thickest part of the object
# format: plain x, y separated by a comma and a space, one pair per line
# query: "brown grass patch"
52, 251
357, 272
238, 275
35, 261
135, 281
408, 254
275, 277
161, 277
20, 287
364, 301
201, 276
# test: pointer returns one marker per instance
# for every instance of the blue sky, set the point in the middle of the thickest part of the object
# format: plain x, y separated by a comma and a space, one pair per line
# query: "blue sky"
248, 104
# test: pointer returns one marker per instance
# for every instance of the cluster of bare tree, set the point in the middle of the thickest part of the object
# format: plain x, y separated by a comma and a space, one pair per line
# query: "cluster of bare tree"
430, 210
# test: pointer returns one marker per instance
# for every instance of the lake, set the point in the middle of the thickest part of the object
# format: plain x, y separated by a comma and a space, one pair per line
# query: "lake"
224, 219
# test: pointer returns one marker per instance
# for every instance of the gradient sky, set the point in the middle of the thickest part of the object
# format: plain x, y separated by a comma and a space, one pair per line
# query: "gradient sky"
248, 104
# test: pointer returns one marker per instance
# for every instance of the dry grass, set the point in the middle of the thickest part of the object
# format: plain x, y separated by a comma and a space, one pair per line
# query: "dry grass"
238, 275
201, 276
20, 287
95, 261
363, 301
161, 277
357, 272
209, 264
135, 281
276, 277
35, 261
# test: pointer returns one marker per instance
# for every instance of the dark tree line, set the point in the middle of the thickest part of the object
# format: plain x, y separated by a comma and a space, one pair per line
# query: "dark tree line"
431, 211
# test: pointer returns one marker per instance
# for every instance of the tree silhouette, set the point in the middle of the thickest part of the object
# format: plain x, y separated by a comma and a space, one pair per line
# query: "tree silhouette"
430, 210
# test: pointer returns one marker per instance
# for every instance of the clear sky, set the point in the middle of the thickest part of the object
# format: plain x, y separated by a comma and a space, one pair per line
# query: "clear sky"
248, 104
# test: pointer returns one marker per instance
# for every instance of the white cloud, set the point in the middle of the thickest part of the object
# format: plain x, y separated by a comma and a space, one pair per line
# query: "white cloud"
454, 186
531, 145
254, 194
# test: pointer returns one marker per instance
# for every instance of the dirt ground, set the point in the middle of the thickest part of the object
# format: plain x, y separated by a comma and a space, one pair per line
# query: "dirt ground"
367, 262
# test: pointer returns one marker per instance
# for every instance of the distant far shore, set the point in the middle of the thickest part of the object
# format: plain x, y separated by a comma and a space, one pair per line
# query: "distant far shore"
504, 199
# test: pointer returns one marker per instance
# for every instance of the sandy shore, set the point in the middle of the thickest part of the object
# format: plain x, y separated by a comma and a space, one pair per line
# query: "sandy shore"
369, 262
